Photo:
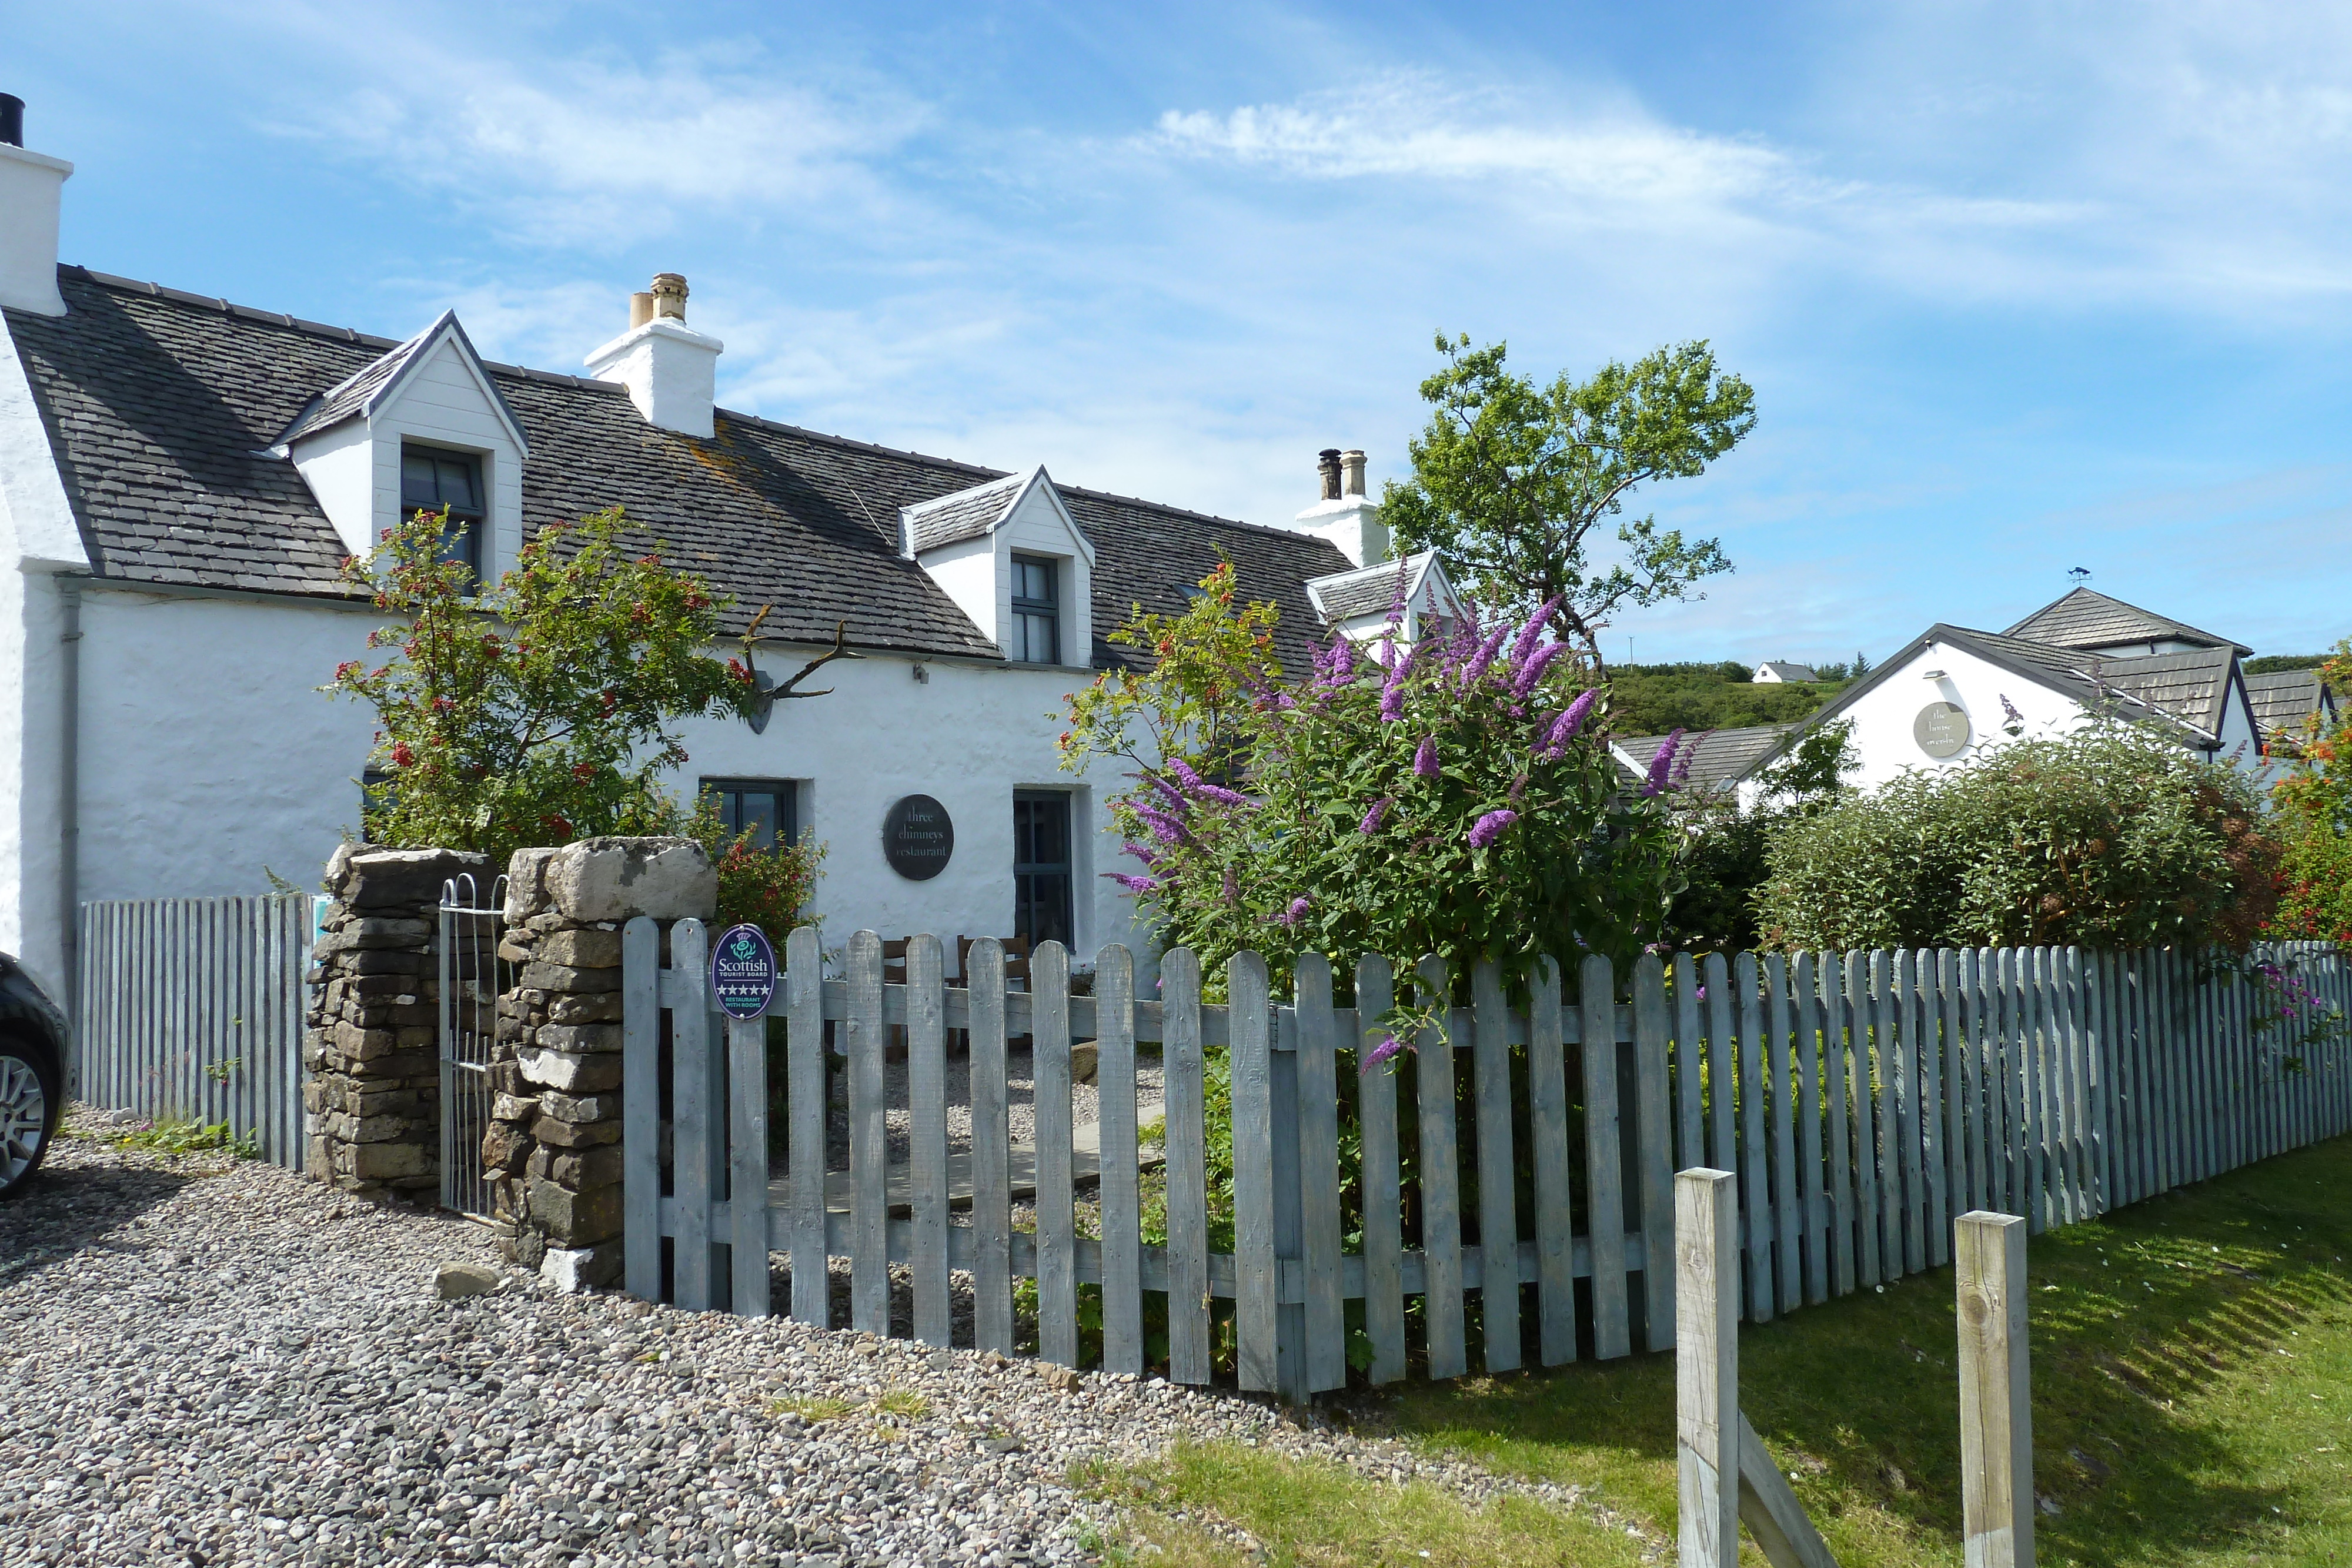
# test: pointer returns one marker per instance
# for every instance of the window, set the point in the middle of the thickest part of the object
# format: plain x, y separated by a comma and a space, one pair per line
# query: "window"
1036, 613
768, 808
1041, 867
430, 479
375, 790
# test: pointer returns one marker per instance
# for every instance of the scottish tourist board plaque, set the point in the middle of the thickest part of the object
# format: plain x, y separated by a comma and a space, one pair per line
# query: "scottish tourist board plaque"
917, 838
743, 971
1942, 730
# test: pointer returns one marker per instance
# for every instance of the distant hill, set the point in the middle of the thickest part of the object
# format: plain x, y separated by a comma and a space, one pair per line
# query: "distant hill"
1651, 699
2272, 664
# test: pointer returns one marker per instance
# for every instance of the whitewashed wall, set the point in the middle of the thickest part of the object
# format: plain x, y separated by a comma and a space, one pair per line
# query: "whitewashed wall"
206, 756
1884, 715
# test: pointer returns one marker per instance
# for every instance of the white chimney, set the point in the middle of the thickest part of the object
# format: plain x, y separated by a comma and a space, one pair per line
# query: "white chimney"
1345, 515
671, 370
32, 188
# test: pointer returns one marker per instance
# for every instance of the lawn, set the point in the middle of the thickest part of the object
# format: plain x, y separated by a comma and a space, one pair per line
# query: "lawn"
2192, 1403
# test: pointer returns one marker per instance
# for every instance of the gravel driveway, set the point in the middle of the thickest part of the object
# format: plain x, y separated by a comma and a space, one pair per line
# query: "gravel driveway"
207, 1362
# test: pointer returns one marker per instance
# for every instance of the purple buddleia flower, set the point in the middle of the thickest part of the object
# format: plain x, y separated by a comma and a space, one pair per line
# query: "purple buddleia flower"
1519, 787
1532, 670
1164, 828
1396, 599
1486, 657
1392, 704
1683, 763
1424, 758
1183, 772
1294, 915
1525, 643
1388, 654
1140, 851
1489, 827
1220, 795
1662, 764
1168, 787
1564, 727
1386, 1052
1380, 808
1135, 885
1343, 662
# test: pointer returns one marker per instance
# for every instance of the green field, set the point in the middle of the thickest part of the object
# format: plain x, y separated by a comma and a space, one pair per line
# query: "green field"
2192, 1405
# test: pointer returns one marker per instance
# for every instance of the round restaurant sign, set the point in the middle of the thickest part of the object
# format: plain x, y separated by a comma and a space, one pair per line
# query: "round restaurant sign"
917, 838
1942, 730
743, 972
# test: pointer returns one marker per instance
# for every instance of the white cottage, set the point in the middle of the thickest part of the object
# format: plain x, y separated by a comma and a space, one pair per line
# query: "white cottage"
1954, 691
181, 478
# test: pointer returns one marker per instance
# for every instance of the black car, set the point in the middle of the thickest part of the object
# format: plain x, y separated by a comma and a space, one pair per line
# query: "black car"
32, 1075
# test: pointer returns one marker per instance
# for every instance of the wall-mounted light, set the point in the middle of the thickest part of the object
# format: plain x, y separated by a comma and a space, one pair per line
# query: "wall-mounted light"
922, 676
1931, 675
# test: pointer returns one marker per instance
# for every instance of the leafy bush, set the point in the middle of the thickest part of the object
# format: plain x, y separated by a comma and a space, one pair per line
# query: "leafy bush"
767, 888
1454, 798
1651, 699
2113, 837
1725, 854
540, 709
2314, 802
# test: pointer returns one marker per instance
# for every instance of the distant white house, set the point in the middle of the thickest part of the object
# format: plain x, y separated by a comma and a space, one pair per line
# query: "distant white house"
1773, 672
1953, 693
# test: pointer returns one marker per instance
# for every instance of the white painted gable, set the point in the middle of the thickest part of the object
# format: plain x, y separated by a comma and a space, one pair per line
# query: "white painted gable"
440, 396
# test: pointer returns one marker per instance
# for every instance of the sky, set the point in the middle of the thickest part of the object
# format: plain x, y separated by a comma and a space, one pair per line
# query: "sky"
2019, 288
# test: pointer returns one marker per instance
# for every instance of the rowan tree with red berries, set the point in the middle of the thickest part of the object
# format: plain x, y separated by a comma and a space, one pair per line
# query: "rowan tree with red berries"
541, 707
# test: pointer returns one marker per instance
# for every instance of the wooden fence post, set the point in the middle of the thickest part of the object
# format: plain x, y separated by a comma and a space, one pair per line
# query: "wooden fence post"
1706, 1366
1996, 1413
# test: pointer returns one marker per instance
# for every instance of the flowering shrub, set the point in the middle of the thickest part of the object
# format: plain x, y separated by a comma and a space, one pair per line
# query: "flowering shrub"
2113, 836
537, 709
2314, 802
1453, 798
767, 888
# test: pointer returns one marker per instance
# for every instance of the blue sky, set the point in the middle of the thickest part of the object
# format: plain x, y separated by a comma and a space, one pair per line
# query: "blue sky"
2019, 288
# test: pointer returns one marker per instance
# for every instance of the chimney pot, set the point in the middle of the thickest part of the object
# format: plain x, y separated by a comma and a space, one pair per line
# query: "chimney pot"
1352, 463
669, 295
641, 308
12, 119
1326, 466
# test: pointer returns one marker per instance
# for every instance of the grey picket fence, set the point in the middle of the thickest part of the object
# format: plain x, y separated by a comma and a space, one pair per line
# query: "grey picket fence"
1863, 1099
194, 1008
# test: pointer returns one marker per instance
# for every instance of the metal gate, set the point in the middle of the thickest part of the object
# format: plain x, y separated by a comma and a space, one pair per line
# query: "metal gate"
472, 977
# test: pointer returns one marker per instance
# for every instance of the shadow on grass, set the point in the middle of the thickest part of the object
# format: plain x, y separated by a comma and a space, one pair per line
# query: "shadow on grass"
2153, 1329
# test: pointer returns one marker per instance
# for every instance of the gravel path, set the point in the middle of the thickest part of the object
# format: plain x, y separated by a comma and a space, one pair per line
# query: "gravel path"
211, 1363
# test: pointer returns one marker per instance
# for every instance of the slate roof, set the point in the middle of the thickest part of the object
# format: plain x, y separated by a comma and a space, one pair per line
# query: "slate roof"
161, 406
2282, 699
1718, 757
965, 515
1370, 590
1791, 671
2087, 619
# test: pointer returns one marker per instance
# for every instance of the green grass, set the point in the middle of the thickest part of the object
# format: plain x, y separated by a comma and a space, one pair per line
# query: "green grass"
2192, 1405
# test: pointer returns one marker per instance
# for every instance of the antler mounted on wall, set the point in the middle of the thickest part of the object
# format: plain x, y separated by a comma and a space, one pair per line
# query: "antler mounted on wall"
771, 692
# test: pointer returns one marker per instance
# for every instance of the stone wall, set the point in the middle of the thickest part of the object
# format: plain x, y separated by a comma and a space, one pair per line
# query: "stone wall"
553, 1149
371, 1052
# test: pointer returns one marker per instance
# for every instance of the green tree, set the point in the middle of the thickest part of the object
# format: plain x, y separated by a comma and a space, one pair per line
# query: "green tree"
1510, 480
540, 709
2314, 814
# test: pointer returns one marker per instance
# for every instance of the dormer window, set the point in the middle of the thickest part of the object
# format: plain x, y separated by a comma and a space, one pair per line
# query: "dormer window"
1036, 613
431, 478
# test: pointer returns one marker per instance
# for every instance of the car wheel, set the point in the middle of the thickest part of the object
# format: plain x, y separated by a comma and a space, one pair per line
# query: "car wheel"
29, 1100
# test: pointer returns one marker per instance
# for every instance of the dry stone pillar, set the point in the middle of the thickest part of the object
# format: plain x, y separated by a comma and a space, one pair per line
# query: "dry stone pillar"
371, 1052
553, 1149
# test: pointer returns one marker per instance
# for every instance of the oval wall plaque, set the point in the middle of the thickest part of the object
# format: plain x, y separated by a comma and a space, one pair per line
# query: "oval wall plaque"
743, 972
917, 838
1942, 730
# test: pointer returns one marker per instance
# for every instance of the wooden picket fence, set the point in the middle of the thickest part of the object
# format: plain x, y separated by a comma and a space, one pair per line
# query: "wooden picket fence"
1863, 1098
